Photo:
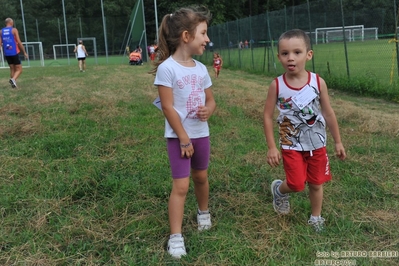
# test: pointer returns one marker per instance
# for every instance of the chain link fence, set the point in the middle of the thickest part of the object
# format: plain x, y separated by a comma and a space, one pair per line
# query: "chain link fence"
349, 44
58, 40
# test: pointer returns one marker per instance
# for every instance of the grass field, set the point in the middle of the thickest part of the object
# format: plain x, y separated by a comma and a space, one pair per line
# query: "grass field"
371, 59
85, 177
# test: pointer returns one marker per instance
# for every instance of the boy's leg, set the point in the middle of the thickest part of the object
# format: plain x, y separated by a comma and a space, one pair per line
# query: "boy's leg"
284, 188
176, 204
316, 198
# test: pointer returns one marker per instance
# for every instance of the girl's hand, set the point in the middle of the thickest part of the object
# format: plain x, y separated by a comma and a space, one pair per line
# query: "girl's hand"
187, 150
203, 113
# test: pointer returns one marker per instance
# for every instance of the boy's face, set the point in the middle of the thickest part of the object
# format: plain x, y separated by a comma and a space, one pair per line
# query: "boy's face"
293, 54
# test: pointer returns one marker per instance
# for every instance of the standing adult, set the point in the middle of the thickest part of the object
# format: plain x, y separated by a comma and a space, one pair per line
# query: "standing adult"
82, 53
12, 45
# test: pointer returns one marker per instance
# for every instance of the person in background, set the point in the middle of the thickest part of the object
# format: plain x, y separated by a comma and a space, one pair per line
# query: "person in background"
302, 100
152, 52
12, 45
81, 54
187, 103
217, 63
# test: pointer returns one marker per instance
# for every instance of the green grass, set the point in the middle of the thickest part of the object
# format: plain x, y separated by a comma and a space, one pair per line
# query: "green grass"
372, 65
85, 178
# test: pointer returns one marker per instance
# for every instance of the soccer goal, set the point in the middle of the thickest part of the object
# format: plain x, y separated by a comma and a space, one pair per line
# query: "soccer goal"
368, 34
338, 36
35, 52
312, 36
63, 49
91, 47
335, 31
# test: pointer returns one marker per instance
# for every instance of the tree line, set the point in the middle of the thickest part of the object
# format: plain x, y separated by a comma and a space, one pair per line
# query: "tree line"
119, 11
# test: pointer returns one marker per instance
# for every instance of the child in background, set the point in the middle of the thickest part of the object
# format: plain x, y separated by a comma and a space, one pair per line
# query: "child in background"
217, 64
187, 103
304, 112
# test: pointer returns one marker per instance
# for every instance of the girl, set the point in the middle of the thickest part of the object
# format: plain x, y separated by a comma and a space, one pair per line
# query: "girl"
187, 103
217, 63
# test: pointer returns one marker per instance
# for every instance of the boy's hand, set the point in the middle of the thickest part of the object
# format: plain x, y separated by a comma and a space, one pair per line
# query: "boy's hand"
273, 157
340, 151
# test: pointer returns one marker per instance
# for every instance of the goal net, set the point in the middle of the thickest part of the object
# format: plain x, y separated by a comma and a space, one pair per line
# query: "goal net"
61, 51
338, 36
320, 36
368, 34
335, 31
33, 49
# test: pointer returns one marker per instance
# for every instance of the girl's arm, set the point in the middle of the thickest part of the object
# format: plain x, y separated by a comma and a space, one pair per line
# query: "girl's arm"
273, 154
331, 120
166, 96
84, 49
204, 112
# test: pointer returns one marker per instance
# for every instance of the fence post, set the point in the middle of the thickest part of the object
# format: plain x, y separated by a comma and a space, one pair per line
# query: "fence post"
343, 32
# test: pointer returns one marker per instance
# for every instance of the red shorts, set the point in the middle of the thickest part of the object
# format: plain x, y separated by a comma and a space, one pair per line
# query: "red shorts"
306, 166
217, 67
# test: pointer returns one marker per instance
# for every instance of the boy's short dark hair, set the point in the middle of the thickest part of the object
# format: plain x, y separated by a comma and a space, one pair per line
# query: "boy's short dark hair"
296, 33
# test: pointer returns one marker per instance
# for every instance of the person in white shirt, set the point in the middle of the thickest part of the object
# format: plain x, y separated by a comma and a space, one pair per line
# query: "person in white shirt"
81, 55
187, 103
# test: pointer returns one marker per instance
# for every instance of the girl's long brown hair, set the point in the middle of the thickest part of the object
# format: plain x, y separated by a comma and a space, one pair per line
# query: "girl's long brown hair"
172, 27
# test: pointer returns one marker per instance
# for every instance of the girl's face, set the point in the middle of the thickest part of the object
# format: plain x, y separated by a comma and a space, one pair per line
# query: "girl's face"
198, 43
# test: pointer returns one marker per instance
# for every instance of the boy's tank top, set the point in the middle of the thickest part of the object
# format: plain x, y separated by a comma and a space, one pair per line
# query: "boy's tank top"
301, 123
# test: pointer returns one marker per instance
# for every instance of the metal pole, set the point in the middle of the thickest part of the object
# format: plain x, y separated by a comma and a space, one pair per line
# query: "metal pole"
156, 20
105, 31
310, 36
343, 32
23, 23
66, 31
80, 27
37, 30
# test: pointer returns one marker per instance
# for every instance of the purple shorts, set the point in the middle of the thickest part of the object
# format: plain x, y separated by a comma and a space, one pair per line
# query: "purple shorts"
199, 161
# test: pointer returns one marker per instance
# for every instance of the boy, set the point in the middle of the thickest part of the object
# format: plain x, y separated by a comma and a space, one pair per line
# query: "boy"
304, 111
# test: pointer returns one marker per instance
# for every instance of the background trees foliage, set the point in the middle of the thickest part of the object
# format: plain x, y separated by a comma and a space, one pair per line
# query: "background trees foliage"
118, 12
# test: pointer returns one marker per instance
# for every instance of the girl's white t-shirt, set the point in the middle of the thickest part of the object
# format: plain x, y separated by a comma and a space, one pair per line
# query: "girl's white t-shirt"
188, 85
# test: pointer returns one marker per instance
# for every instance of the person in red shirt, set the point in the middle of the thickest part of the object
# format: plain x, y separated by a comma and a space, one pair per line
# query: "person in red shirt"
12, 45
217, 63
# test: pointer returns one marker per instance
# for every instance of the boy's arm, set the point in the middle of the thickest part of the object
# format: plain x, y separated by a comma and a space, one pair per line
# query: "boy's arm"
166, 96
331, 120
273, 154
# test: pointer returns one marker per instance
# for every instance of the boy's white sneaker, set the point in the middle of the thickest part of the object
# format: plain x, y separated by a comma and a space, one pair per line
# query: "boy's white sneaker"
176, 247
281, 204
318, 224
204, 221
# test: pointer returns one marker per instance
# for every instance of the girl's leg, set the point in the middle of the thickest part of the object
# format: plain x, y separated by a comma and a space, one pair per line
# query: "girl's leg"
176, 204
201, 188
316, 198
